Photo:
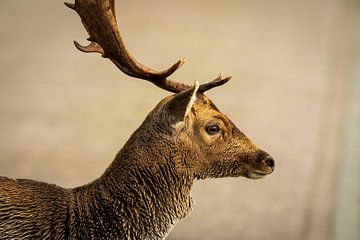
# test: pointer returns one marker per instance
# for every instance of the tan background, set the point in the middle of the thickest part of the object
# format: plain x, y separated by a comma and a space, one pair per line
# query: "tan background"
64, 114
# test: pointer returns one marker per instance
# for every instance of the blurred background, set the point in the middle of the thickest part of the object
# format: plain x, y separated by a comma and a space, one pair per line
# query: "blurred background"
295, 92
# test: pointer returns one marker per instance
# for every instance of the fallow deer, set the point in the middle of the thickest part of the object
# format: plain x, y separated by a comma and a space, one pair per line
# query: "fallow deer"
147, 188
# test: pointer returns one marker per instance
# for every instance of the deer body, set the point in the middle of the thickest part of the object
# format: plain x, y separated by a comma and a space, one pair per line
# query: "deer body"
142, 194
147, 188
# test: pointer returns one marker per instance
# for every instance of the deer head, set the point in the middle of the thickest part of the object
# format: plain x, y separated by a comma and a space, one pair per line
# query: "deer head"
210, 144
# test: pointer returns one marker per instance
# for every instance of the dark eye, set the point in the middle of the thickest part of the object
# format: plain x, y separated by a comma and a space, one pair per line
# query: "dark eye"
213, 129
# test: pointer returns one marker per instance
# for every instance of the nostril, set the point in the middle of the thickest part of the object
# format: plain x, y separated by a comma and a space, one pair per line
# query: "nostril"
270, 162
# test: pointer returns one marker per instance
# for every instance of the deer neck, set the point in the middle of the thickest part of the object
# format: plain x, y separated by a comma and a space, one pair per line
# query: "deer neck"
143, 191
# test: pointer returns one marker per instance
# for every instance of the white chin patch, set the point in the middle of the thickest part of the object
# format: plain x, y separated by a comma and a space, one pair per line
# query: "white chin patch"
255, 175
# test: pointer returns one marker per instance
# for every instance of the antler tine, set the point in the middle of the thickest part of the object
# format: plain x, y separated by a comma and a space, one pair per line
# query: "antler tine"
220, 80
98, 18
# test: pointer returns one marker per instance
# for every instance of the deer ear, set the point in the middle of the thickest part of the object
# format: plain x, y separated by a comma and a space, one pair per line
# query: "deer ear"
180, 105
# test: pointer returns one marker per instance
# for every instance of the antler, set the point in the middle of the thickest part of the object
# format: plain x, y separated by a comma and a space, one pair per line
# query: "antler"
99, 20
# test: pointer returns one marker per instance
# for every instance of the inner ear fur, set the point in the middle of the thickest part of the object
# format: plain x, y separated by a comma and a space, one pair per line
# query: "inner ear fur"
179, 106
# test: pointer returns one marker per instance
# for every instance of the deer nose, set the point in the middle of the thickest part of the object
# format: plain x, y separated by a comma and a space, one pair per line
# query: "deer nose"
269, 161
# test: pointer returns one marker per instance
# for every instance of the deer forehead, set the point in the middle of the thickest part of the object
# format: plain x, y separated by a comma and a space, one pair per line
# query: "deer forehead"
205, 108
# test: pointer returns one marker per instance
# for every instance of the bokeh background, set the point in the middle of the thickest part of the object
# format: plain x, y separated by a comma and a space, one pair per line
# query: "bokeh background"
295, 92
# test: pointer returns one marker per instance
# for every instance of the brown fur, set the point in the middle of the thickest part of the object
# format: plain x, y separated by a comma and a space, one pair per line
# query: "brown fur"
146, 189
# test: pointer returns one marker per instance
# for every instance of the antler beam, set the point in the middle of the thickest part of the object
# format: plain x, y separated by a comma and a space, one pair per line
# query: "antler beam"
99, 20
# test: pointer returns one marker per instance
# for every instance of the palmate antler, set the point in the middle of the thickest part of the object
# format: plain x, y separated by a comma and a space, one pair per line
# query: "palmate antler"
99, 20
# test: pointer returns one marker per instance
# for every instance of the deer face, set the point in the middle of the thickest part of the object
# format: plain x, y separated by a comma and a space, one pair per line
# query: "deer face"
224, 151
213, 146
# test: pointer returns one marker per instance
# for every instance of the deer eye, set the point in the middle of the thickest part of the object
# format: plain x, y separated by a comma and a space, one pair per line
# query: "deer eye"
213, 129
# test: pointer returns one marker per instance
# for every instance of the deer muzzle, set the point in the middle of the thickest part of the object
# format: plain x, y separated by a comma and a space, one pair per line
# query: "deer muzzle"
263, 165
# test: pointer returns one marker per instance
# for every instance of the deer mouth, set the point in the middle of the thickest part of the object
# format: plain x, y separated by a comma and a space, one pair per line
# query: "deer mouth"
256, 175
